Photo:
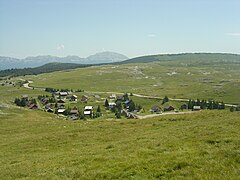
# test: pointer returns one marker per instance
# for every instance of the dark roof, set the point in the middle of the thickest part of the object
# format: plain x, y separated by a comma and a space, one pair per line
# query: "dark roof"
33, 106
61, 101
156, 108
119, 97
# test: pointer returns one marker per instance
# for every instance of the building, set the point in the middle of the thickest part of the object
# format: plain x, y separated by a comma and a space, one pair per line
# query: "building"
88, 111
113, 96
196, 108
184, 106
63, 93
168, 108
112, 105
74, 111
60, 106
50, 110
61, 111
155, 109
33, 106
84, 98
61, 101
73, 98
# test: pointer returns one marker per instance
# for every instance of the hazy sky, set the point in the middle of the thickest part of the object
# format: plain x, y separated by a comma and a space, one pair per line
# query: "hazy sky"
130, 27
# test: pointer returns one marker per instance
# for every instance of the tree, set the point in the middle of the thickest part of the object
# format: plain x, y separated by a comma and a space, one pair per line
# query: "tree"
118, 114
98, 109
125, 97
131, 106
165, 99
232, 109
119, 106
106, 103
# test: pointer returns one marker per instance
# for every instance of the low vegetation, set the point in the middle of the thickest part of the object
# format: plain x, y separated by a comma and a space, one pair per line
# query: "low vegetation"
198, 145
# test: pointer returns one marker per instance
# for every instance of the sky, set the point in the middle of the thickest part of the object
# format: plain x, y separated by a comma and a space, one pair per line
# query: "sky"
130, 27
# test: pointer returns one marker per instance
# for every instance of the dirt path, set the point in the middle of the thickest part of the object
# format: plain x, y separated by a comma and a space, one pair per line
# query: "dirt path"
26, 85
162, 114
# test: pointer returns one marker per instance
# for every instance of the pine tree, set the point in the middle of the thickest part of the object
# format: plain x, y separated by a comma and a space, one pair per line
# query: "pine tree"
165, 99
106, 103
132, 106
125, 97
98, 109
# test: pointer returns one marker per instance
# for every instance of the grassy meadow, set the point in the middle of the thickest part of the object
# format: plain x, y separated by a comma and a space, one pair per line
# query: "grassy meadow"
202, 145
174, 79
36, 145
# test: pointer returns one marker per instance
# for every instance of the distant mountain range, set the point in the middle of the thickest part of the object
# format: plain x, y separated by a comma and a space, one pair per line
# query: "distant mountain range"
31, 62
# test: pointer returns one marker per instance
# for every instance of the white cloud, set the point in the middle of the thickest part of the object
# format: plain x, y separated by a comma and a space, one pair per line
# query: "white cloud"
151, 35
60, 47
233, 34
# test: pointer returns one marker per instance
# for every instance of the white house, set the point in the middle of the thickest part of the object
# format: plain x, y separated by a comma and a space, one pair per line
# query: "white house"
88, 110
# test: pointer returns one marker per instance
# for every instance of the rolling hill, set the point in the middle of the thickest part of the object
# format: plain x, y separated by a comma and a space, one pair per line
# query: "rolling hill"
186, 57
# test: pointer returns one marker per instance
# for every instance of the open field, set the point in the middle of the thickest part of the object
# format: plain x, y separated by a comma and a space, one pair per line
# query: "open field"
176, 80
203, 145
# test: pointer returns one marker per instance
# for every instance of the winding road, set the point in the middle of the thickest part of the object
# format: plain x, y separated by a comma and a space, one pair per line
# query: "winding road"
26, 85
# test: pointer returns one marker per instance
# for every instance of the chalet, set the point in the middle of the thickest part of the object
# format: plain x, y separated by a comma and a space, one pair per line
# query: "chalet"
113, 96
169, 108
111, 105
184, 106
61, 111
88, 111
119, 99
73, 98
84, 98
47, 106
44, 100
155, 109
63, 93
61, 101
33, 106
50, 110
196, 108
74, 110
60, 106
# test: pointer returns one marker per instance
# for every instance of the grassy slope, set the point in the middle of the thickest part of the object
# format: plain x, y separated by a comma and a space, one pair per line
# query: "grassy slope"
35, 144
204, 145
219, 81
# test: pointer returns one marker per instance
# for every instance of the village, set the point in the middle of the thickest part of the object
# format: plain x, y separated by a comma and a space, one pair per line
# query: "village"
67, 104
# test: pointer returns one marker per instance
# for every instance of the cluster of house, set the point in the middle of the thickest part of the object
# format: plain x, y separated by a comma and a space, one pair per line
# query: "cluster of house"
125, 104
158, 109
58, 106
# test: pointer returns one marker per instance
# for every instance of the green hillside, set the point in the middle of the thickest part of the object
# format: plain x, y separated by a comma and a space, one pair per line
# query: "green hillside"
47, 68
187, 57
219, 81
200, 145
36, 145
